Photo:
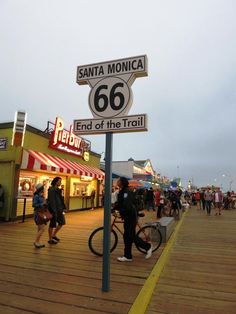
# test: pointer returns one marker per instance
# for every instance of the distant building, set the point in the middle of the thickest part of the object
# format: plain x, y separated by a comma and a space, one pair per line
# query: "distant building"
141, 170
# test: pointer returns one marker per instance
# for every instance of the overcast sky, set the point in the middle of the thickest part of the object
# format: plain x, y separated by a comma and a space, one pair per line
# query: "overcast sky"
189, 94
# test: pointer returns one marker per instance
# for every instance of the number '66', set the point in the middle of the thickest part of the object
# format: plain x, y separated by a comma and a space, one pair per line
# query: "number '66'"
116, 98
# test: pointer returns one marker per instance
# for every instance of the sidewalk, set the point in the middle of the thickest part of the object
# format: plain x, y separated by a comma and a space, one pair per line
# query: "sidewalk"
200, 272
66, 278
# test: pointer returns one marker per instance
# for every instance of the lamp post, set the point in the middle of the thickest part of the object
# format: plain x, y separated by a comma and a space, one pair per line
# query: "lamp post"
178, 172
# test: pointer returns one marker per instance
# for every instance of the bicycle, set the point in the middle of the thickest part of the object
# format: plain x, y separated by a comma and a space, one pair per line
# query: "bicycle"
149, 232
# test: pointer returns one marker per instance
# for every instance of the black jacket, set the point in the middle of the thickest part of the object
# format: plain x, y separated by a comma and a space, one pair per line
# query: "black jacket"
125, 204
55, 200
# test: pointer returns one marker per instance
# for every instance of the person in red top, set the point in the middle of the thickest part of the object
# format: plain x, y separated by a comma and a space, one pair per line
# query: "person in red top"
157, 197
198, 199
157, 202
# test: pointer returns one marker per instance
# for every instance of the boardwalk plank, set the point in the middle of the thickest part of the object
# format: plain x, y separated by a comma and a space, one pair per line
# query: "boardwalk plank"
61, 297
200, 274
67, 277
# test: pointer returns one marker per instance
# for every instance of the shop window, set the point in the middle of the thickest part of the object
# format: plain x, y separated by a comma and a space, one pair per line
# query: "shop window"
81, 187
26, 186
28, 182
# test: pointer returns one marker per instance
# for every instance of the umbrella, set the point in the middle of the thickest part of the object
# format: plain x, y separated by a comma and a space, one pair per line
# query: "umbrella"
135, 184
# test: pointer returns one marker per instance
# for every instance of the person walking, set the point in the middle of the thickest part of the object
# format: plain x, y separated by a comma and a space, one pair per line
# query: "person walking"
129, 214
38, 203
218, 200
227, 201
208, 200
202, 199
92, 196
198, 199
150, 199
56, 207
158, 203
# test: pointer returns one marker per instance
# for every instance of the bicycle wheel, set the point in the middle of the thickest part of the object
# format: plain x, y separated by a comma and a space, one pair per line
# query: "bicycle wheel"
150, 234
95, 241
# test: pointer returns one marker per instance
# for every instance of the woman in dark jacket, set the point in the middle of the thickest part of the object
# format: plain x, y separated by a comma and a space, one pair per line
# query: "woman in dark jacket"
125, 205
56, 206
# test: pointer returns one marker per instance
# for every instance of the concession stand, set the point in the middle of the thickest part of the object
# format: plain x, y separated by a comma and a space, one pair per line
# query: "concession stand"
34, 156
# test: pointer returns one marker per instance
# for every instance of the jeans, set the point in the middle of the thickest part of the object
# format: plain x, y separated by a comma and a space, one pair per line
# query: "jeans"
208, 207
130, 237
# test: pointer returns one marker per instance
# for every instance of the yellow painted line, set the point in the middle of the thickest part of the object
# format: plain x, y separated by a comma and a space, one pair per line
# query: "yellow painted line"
141, 302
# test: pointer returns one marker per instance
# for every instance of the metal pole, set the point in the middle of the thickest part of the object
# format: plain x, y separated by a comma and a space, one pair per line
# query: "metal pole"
24, 207
107, 214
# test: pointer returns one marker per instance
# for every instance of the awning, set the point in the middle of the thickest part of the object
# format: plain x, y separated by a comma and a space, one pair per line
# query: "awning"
33, 160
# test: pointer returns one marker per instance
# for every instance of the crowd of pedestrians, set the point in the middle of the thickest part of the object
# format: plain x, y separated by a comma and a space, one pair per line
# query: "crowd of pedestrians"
167, 203
208, 199
164, 203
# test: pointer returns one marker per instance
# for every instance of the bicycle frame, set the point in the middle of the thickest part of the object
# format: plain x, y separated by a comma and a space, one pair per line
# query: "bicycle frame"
119, 220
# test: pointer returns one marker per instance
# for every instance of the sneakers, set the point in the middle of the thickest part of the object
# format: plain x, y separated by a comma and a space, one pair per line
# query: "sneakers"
52, 242
56, 238
124, 259
149, 253
38, 246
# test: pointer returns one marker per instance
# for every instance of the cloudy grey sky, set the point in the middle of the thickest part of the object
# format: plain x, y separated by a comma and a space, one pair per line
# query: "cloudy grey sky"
189, 95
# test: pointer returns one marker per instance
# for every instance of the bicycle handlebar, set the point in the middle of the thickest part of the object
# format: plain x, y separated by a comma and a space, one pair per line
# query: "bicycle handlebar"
116, 213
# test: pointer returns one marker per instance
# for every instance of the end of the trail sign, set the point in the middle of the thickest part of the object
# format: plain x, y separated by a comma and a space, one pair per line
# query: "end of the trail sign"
132, 123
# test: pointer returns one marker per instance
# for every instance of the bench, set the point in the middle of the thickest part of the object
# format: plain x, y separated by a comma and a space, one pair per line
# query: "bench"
167, 225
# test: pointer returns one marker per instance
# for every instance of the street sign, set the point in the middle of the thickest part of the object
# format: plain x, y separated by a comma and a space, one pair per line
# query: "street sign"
110, 100
134, 123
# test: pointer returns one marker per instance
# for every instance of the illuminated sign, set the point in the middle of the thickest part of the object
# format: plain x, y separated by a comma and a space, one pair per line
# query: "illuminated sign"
148, 168
67, 141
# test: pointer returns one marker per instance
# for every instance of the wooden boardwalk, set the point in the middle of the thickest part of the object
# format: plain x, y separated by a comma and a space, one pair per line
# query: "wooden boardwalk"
66, 278
200, 273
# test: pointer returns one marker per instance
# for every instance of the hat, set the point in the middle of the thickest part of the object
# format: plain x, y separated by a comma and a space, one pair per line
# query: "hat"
38, 186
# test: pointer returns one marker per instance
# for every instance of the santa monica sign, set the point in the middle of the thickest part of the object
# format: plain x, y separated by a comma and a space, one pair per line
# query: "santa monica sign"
134, 65
111, 96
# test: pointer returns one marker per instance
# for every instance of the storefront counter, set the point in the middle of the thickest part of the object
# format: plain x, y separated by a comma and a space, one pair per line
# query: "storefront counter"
79, 202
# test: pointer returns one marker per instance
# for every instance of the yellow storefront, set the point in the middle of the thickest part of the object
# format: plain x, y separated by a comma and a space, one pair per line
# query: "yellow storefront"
42, 156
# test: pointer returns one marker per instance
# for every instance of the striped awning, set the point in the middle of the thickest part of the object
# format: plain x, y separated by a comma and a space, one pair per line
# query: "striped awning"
33, 160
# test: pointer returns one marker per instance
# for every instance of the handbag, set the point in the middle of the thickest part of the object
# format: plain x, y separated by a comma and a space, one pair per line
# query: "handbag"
44, 214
